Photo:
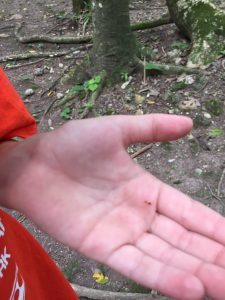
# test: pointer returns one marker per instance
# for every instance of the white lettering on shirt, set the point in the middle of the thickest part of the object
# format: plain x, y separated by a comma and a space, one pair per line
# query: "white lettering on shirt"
4, 261
18, 287
2, 229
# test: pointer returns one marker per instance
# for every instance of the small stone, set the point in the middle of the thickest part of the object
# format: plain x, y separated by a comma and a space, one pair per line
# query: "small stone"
51, 71
189, 104
171, 160
59, 95
38, 72
139, 99
153, 92
16, 17
50, 122
125, 84
198, 172
139, 112
207, 116
4, 35
178, 61
61, 65
174, 53
190, 137
171, 111
29, 92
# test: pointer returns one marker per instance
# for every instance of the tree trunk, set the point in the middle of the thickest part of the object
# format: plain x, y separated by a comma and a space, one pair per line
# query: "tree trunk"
204, 24
114, 45
79, 5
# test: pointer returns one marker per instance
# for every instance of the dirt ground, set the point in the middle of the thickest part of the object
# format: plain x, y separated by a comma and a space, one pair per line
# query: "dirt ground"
194, 164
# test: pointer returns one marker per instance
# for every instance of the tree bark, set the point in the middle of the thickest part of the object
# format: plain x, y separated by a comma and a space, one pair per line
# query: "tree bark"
79, 5
114, 45
204, 24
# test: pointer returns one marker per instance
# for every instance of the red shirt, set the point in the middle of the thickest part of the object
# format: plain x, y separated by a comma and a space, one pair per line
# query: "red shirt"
26, 270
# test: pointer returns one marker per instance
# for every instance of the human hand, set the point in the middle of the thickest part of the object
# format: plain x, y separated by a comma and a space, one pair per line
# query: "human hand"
79, 184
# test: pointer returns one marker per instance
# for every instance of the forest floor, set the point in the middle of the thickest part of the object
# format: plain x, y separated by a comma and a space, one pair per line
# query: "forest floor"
194, 164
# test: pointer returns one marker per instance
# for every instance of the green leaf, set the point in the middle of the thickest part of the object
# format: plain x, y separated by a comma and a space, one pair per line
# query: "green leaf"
26, 77
65, 114
89, 105
77, 88
179, 45
93, 87
215, 132
222, 52
152, 67
98, 79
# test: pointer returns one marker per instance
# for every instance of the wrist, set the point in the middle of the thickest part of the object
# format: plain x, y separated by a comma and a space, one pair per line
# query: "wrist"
13, 159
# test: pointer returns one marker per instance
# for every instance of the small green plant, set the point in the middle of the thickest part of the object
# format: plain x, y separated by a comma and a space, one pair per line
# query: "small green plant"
179, 45
93, 84
37, 116
152, 67
124, 76
76, 88
26, 77
66, 113
89, 105
71, 270
215, 132
168, 146
137, 288
178, 86
201, 121
172, 97
215, 107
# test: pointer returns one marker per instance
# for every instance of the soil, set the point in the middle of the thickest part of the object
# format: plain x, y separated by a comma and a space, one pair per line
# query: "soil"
194, 164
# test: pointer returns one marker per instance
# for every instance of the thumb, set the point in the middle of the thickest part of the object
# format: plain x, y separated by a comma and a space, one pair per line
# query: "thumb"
153, 127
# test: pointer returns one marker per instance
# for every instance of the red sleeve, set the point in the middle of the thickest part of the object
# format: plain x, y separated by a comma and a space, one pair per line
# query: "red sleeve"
26, 270
15, 120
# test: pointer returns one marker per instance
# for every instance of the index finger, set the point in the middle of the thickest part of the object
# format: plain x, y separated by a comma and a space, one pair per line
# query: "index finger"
191, 214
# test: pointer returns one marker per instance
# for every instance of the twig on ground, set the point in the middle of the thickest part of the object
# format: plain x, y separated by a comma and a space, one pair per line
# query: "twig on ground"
56, 26
57, 80
7, 27
142, 150
108, 295
55, 100
204, 86
23, 65
220, 183
215, 196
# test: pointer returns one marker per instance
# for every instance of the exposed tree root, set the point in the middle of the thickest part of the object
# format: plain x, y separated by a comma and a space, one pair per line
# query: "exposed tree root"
51, 39
23, 56
28, 55
167, 69
152, 23
108, 295
85, 38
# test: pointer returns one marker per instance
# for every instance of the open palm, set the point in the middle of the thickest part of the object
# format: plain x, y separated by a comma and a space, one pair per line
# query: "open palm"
83, 189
